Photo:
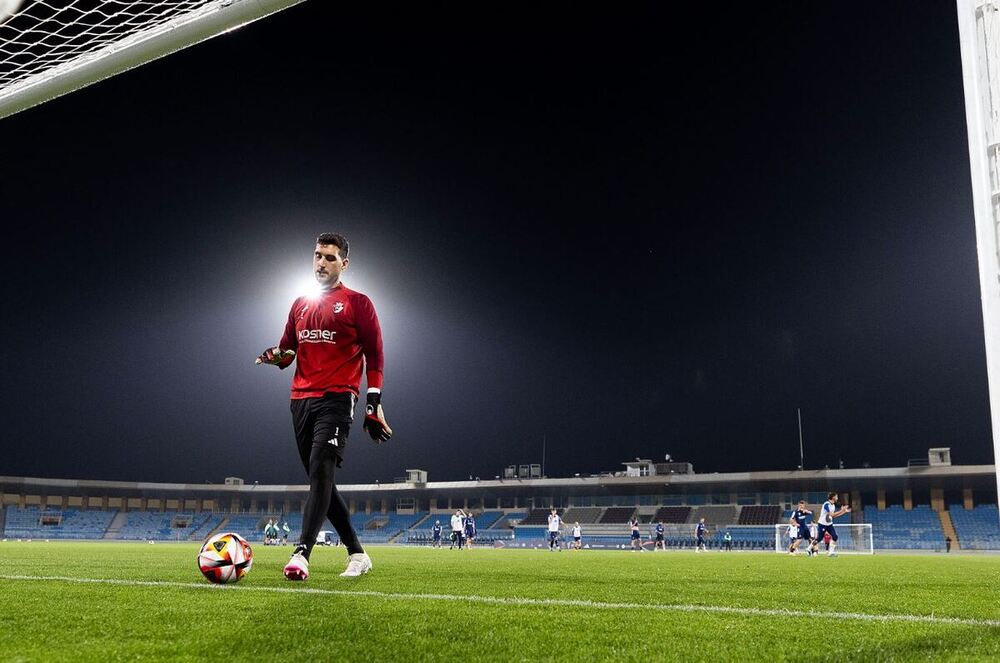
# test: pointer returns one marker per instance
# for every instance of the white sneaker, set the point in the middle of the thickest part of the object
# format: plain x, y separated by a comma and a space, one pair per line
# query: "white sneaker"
358, 564
297, 568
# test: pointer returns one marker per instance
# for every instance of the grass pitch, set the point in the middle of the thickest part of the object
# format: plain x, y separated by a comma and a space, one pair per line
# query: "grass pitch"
116, 601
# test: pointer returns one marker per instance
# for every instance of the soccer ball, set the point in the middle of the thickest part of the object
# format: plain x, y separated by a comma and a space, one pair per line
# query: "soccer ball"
225, 558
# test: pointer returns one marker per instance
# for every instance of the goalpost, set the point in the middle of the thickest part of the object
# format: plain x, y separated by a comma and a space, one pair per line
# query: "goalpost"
852, 539
979, 37
51, 47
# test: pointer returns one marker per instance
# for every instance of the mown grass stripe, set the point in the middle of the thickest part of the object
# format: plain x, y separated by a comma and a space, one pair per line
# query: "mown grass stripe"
518, 601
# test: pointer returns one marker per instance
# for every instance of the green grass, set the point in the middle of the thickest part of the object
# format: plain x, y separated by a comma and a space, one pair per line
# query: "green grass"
45, 620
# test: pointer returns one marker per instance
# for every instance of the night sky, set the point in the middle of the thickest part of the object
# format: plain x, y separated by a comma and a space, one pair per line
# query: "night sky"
629, 233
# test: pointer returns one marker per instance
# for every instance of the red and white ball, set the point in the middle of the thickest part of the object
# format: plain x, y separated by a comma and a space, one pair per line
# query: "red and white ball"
225, 558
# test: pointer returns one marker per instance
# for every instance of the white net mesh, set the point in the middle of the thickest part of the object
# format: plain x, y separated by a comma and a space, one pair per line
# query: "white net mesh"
48, 39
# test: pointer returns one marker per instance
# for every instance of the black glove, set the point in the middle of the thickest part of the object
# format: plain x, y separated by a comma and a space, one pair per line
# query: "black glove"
375, 424
276, 357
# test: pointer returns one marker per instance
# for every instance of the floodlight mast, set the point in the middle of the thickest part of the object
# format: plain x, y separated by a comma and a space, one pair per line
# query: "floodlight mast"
215, 17
979, 39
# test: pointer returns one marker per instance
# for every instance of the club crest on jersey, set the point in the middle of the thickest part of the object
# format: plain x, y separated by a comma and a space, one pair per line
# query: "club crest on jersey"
338, 307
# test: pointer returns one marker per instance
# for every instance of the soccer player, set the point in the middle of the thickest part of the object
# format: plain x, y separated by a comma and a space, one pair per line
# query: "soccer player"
577, 535
285, 531
555, 522
700, 535
470, 530
826, 516
635, 534
457, 526
658, 545
800, 520
436, 533
333, 338
727, 541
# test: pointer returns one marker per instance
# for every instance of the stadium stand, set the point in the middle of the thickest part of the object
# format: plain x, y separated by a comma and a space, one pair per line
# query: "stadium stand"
583, 514
161, 525
895, 527
746, 538
715, 515
251, 526
209, 525
379, 527
977, 528
539, 517
35, 523
761, 515
617, 514
487, 519
506, 521
672, 514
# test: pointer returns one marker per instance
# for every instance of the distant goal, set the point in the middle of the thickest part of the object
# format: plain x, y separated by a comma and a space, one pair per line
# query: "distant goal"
51, 47
852, 539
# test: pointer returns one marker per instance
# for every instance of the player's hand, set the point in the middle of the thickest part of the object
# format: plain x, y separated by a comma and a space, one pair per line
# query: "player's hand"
275, 357
847, 509
375, 424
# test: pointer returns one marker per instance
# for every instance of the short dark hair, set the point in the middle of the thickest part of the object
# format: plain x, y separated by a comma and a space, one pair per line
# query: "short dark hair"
337, 240
831, 495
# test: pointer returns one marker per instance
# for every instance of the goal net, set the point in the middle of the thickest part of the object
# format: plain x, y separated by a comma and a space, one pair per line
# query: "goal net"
51, 47
852, 538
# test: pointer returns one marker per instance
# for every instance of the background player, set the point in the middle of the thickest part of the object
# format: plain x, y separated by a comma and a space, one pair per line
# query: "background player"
658, 544
700, 532
457, 529
635, 535
469, 524
800, 521
577, 535
555, 524
436, 533
325, 387
826, 516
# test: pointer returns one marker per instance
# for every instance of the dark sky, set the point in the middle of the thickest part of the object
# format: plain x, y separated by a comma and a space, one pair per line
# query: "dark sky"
635, 233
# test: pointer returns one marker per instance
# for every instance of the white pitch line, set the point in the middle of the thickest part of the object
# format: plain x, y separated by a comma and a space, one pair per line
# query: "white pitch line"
516, 601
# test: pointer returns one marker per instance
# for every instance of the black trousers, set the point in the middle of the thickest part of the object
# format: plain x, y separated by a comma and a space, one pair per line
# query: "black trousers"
321, 428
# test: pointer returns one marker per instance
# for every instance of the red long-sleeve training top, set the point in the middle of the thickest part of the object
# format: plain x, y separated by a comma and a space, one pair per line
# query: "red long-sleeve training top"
335, 337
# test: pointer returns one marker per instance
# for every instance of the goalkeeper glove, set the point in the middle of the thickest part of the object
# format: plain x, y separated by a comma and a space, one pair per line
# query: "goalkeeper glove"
375, 424
276, 357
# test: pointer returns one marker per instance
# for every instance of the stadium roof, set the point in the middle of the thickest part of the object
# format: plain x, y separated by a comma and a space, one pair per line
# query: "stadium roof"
978, 477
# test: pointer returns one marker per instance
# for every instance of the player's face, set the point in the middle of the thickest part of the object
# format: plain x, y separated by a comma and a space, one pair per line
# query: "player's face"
328, 265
